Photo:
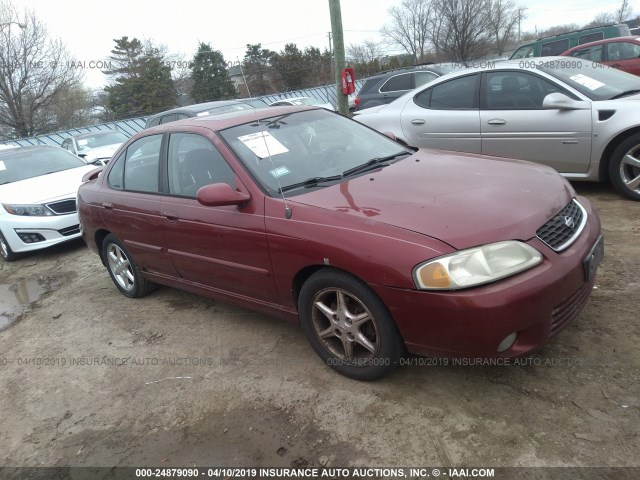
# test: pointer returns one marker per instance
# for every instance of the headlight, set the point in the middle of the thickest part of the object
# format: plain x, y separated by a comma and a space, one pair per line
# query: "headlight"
476, 266
27, 210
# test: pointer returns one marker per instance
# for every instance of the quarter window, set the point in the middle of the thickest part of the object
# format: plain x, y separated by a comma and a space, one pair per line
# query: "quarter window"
195, 162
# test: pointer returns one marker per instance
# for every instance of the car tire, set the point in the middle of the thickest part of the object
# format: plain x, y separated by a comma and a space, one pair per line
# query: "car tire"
348, 325
624, 168
5, 250
124, 271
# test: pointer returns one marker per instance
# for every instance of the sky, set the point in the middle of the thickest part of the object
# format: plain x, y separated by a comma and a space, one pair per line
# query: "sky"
88, 27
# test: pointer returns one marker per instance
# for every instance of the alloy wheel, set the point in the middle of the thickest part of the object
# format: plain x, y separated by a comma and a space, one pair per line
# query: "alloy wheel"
120, 267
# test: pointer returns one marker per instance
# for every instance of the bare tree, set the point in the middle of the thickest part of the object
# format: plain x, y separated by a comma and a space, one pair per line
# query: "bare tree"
624, 12
409, 27
365, 57
603, 18
463, 28
34, 71
502, 20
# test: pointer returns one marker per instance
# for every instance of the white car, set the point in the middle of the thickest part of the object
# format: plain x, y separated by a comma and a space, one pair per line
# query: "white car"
579, 117
303, 101
95, 147
38, 189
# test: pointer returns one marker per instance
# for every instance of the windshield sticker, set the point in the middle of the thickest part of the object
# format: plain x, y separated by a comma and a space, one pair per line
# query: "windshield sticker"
2, 166
590, 83
263, 144
279, 172
202, 114
83, 142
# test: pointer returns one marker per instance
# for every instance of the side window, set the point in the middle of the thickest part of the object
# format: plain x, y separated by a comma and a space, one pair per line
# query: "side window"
457, 94
182, 116
397, 83
590, 37
141, 165
622, 51
517, 90
168, 118
116, 174
66, 144
523, 52
422, 78
195, 162
593, 54
555, 48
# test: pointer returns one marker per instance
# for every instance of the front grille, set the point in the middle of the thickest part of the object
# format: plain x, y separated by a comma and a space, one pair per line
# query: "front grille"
62, 207
564, 313
73, 229
562, 230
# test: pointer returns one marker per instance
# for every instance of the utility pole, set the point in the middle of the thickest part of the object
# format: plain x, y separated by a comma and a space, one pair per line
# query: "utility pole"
338, 52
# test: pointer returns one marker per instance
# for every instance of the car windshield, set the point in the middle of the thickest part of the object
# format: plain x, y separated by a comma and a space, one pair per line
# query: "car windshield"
21, 164
596, 81
99, 139
234, 107
315, 145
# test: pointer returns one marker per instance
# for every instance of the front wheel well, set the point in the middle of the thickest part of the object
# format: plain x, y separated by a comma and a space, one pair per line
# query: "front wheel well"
306, 272
603, 173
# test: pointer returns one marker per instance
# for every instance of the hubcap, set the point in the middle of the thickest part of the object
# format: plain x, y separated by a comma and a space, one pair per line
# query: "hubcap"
630, 169
344, 325
120, 267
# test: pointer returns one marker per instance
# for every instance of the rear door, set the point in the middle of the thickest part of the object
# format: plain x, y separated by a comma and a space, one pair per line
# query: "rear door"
445, 116
220, 247
131, 204
514, 124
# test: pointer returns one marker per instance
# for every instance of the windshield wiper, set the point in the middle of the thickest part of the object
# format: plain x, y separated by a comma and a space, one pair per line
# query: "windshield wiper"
625, 94
374, 162
310, 182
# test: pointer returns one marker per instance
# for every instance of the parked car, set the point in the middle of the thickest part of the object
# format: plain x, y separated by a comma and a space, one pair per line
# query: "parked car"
95, 147
556, 44
371, 246
296, 101
575, 116
197, 110
254, 102
622, 53
38, 188
386, 86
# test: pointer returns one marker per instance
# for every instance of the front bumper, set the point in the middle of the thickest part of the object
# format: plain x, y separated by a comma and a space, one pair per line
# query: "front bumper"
49, 230
536, 304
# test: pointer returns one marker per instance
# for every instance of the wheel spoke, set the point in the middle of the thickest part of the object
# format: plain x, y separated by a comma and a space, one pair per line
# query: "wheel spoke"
365, 342
348, 348
325, 310
328, 333
342, 303
631, 160
633, 183
129, 275
360, 319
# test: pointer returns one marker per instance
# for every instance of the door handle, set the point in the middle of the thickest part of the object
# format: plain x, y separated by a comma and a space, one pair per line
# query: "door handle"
107, 205
418, 121
171, 216
497, 121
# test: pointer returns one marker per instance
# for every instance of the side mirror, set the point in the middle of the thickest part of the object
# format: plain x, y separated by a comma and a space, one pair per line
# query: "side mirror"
92, 175
220, 194
559, 101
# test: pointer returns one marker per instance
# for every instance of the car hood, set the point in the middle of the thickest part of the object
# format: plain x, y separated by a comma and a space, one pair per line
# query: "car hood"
106, 151
462, 199
45, 188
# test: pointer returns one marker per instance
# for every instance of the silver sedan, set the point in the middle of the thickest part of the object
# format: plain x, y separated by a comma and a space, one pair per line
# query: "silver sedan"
579, 117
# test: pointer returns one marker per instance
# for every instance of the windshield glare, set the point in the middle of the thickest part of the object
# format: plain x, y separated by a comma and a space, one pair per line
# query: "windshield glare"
287, 149
23, 164
596, 81
95, 140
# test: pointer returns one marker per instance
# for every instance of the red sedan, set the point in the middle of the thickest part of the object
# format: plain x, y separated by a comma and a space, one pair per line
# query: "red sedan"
373, 247
622, 53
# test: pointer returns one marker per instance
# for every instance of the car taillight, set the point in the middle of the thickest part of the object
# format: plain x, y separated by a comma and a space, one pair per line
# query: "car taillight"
356, 101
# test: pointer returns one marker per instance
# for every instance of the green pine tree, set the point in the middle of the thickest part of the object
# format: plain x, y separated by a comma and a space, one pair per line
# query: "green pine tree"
210, 77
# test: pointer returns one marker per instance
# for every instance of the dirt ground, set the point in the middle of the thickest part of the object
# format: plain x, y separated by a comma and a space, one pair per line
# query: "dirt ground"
90, 378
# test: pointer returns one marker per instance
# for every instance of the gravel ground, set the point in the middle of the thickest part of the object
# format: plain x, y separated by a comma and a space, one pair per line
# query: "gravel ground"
90, 378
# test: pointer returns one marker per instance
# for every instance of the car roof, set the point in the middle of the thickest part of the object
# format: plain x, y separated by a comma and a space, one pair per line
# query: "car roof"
28, 148
627, 38
227, 120
200, 107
